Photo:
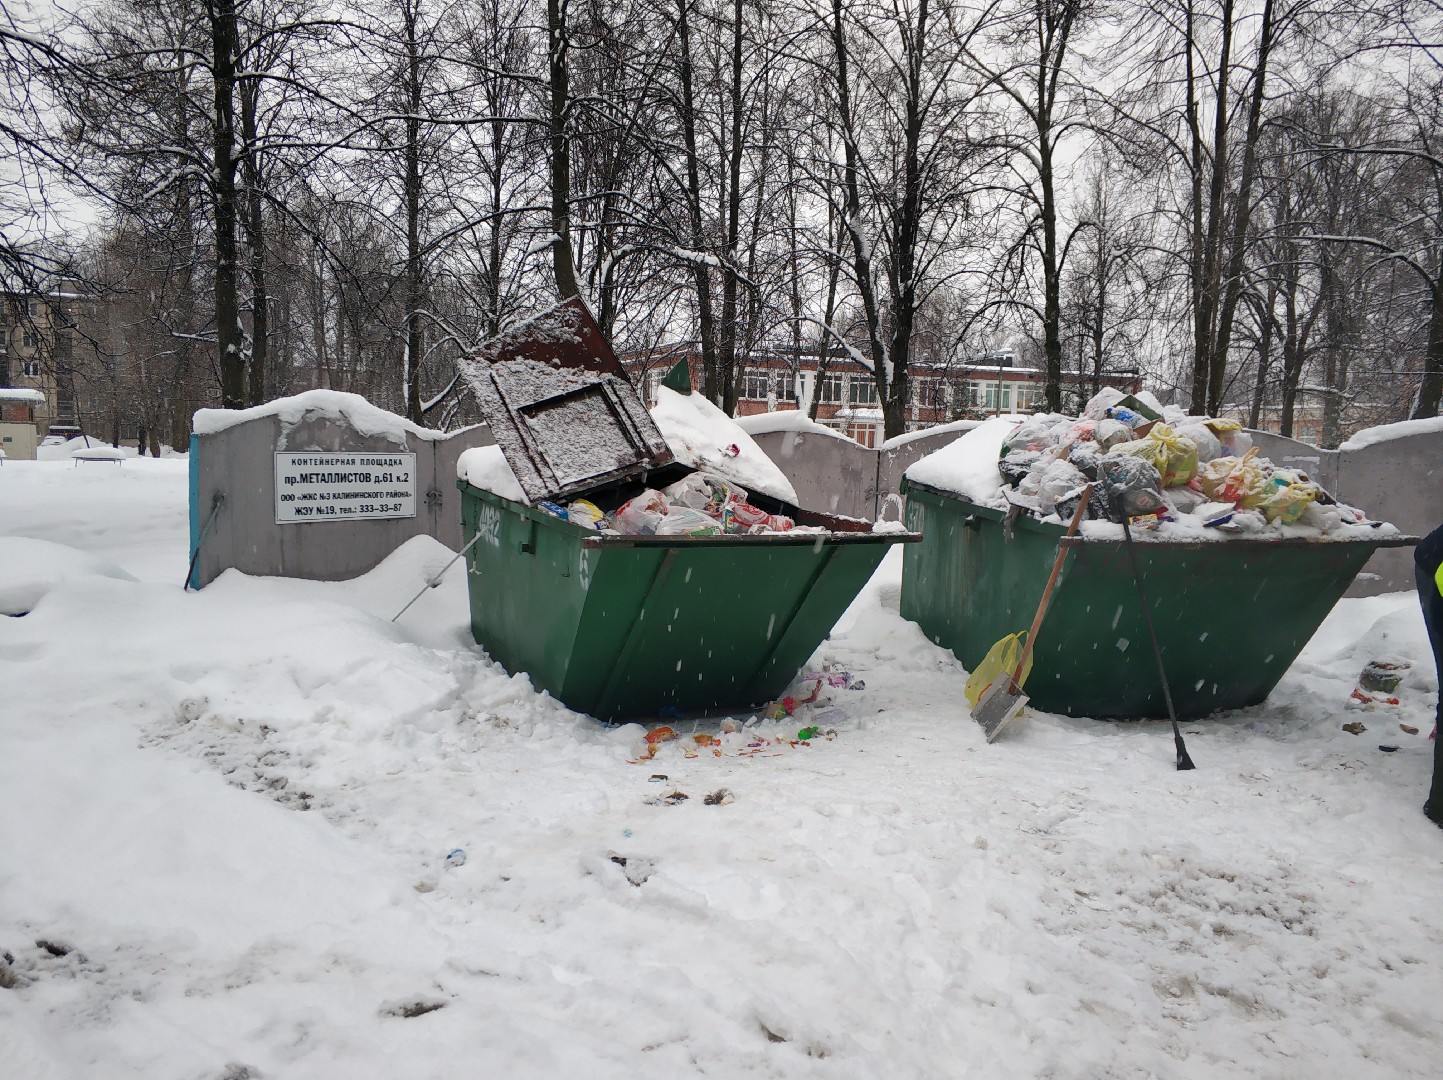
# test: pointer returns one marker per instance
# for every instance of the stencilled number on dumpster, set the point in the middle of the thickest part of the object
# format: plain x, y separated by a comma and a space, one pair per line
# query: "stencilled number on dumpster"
488, 524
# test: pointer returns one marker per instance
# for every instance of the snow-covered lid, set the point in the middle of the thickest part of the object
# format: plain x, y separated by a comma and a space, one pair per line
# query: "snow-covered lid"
968, 466
560, 406
704, 437
1387, 432
21, 393
365, 418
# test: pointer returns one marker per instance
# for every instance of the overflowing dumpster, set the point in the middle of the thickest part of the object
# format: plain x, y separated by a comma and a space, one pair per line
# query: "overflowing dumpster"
573, 578
1231, 610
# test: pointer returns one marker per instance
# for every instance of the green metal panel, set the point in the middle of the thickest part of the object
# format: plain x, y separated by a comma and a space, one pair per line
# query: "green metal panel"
1231, 616
640, 627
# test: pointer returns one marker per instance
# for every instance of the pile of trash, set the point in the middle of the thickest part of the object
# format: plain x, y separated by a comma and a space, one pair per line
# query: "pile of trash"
1160, 466
700, 504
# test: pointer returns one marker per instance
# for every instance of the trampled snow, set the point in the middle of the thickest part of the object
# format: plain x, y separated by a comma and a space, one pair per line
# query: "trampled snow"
227, 816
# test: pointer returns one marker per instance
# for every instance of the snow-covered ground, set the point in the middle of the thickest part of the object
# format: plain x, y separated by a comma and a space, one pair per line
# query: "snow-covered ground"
227, 814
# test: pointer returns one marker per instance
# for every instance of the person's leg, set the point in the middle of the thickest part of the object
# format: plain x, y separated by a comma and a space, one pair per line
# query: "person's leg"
1432, 604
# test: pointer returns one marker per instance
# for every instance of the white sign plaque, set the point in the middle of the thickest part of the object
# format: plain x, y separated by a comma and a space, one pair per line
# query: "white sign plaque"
318, 486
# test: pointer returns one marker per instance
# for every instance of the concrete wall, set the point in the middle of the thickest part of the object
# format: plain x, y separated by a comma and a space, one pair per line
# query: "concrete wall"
1398, 480
238, 463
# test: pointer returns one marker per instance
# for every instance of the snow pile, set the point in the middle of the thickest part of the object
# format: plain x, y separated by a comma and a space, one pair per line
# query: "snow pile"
31, 568
485, 467
231, 818
785, 420
707, 439
1178, 476
352, 409
1433, 425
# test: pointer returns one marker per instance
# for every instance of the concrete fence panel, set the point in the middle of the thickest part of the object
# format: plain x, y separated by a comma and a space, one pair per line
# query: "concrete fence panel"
235, 505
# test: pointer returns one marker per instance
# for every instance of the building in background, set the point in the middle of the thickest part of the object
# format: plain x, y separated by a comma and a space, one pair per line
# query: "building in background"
38, 352
986, 384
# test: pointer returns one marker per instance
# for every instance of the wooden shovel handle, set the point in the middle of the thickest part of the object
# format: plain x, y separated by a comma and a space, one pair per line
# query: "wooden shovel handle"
1051, 583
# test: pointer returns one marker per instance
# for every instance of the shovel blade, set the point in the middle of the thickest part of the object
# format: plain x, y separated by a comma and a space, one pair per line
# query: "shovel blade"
1000, 704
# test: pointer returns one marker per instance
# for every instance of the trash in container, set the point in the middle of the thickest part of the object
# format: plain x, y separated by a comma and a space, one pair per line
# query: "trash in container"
1243, 559
640, 564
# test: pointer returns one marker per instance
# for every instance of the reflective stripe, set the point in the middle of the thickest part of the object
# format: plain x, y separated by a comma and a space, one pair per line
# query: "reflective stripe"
1438, 579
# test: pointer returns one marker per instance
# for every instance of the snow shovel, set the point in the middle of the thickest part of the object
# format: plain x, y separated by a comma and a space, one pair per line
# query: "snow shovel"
1003, 700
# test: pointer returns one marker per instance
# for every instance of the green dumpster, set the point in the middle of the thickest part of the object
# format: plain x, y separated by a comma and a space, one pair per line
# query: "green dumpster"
1231, 616
636, 627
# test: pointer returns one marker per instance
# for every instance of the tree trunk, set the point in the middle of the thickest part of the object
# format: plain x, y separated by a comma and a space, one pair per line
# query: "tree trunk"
229, 340
1431, 388
415, 350
711, 380
563, 259
256, 240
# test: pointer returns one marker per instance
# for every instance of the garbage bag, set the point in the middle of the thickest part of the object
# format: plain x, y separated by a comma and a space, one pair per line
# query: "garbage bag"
1209, 446
1001, 659
1174, 456
1049, 481
1110, 433
685, 521
1234, 440
1287, 495
1133, 486
1016, 465
641, 516
1238, 480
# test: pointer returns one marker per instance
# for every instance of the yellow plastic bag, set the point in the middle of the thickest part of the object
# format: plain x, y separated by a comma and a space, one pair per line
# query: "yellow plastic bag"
1288, 495
1235, 480
1174, 456
1001, 659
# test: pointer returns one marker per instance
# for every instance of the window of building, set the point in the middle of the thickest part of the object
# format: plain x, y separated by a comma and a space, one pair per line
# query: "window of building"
64, 346
653, 381
754, 385
829, 390
65, 408
864, 433
863, 391
30, 368
1030, 398
991, 401
28, 339
786, 386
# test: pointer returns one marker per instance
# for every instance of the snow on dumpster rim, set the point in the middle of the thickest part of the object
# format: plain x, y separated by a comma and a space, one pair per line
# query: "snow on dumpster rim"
786, 420
967, 466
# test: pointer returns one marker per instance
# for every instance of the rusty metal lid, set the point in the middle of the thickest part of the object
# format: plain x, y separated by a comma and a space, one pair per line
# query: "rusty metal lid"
561, 407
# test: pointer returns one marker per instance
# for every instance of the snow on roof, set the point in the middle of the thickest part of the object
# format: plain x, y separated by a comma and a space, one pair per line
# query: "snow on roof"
21, 393
355, 410
704, 437
485, 467
785, 420
968, 466
1387, 432
957, 426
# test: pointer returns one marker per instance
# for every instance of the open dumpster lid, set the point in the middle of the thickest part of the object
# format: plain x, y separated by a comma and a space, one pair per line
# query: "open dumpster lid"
560, 406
